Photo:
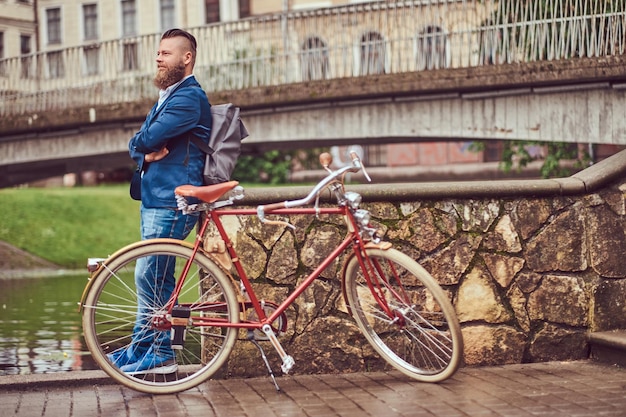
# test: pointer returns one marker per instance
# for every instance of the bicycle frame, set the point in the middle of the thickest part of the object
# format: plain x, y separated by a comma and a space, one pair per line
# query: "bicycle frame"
409, 322
214, 216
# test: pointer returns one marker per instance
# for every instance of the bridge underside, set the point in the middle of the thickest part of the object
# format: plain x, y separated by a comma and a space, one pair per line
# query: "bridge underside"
586, 113
577, 101
27, 172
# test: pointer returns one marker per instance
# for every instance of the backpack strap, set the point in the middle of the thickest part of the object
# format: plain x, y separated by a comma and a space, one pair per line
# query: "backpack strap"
203, 146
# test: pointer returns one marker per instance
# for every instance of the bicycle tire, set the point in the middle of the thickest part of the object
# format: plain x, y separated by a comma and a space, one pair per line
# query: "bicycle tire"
110, 310
424, 341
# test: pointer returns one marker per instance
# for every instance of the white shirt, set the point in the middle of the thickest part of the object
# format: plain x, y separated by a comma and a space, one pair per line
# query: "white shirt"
164, 94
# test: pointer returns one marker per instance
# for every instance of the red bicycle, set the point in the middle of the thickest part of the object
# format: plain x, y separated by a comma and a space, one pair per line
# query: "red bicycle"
401, 310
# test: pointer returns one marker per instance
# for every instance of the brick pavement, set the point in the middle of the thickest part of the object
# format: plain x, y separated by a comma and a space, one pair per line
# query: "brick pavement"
569, 389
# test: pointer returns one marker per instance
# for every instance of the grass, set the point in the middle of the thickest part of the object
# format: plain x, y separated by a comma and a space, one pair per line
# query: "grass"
68, 225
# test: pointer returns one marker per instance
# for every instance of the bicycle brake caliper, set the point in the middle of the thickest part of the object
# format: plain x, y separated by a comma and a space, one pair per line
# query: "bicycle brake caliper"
288, 361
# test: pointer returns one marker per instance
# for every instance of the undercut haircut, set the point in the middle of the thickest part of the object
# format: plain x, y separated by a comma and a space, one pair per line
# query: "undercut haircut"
172, 33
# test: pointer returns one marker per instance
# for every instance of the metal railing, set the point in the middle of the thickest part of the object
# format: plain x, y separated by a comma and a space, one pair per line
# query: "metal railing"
347, 41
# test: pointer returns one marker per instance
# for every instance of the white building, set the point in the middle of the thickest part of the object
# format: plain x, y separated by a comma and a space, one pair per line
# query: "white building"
17, 28
28, 26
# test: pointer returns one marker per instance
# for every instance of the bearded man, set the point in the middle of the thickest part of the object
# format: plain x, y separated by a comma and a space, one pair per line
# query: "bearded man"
166, 159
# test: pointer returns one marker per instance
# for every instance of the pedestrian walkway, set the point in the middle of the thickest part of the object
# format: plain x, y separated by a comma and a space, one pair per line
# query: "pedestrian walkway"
568, 389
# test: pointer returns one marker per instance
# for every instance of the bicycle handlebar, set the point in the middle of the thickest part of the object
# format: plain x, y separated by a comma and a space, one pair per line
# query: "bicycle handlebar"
325, 160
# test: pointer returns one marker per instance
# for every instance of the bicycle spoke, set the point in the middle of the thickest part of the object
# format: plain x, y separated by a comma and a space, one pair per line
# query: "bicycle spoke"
410, 321
117, 319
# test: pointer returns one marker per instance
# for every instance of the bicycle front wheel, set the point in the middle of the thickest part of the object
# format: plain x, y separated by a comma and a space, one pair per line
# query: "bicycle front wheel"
404, 314
113, 318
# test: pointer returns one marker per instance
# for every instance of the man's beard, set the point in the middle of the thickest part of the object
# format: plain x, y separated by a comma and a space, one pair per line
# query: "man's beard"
169, 76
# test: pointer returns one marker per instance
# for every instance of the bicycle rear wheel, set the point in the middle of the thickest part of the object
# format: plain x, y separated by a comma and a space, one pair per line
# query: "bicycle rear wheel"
412, 324
111, 311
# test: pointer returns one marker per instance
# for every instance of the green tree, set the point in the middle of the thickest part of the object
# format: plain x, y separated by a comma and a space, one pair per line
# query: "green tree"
274, 167
516, 155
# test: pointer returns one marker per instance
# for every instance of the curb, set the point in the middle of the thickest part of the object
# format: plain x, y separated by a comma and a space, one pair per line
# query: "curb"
65, 379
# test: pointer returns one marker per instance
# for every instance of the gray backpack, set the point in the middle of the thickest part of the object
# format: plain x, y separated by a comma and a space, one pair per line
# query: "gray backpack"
227, 132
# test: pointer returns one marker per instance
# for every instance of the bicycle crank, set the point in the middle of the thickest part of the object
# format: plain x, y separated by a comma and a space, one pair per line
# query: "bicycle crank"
279, 326
288, 361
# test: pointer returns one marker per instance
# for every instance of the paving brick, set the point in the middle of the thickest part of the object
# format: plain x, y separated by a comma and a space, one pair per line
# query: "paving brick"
552, 389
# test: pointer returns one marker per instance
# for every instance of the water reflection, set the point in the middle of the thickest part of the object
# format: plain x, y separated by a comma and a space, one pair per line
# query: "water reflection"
40, 327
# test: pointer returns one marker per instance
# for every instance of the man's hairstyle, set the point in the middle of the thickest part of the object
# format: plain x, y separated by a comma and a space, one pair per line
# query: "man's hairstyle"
172, 33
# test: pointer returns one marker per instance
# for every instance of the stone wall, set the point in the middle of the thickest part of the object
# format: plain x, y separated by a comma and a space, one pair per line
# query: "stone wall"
530, 273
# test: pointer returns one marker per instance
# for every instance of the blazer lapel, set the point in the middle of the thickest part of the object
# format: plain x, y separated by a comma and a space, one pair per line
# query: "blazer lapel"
187, 82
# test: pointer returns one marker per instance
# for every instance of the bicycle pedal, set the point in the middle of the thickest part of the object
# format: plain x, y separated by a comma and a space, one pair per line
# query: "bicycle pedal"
288, 363
180, 320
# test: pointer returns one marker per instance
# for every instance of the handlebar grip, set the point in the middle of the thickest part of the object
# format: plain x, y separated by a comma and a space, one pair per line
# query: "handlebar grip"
273, 206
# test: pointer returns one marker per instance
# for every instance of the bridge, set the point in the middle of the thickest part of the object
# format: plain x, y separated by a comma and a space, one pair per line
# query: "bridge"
368, 73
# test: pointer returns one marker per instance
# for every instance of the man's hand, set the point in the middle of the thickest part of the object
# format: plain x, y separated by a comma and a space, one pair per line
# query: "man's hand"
156, 156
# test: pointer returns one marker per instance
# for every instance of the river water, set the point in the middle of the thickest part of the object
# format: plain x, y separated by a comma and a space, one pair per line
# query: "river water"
40, 326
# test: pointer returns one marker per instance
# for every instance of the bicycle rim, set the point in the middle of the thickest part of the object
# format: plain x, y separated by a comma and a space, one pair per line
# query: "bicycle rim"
111, 310
413, 326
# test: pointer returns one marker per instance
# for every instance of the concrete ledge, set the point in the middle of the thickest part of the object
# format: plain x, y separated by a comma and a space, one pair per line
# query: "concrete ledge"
613, 338
587, 181
59, 379
608, 347
422, 83
604, 172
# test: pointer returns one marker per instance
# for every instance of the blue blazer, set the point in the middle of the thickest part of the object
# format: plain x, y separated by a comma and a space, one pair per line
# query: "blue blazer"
185, 112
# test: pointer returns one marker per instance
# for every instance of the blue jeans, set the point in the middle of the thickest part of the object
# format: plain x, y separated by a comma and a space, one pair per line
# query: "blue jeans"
154, 278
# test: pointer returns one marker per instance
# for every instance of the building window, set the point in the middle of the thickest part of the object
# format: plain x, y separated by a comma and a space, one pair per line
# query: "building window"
26, 60
212, 10
375, 155
56, 67
492, 151
25, 48
216, 14
2, 64
91, 53
90, 22
91, 56
130, 59
129, 28
168, 15
53, 20
372, 54
244, 8
314, 59
129, 18
432, 48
